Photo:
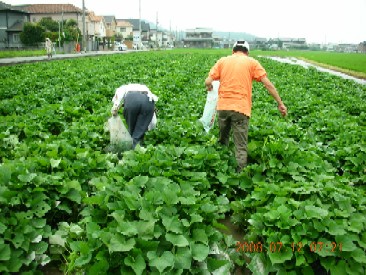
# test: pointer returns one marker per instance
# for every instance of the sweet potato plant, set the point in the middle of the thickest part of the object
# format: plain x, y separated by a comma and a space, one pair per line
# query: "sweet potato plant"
66, 202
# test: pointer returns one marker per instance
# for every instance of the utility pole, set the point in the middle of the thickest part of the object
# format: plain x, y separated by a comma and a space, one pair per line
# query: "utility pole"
140, 34
84, 27
62, 22
157, 31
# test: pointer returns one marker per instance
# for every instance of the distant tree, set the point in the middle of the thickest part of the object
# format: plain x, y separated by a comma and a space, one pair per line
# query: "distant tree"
32, 34
71, 30
49, 24
71, 23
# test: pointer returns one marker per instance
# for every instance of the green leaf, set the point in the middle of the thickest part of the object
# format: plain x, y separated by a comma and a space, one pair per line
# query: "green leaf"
222, 177
335, 228
2, 228
314, 212
93, 229
16, 261
18, 240
83, 259
177, 240
74, 195
146, 229
196, 218
339, 268
161, 263
170, 195
216, 264
127, 228
359, 255
140, 181
183, 258
188, 200
5, 252
199, 251
279, 257
172, 224
55, 162
345, 242
99, 267
39, 248
356, 223
57, 239
199, 235
132, 202
27, 178
118, 243
5, 174
136, 263
300, 260
74, 228
119, 216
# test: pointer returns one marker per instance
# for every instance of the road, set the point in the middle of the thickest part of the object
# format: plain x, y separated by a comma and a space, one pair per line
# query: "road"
33, 59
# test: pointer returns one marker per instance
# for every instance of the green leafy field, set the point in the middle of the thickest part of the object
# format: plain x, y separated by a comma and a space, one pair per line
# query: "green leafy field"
65, 202
348, 61
21, 53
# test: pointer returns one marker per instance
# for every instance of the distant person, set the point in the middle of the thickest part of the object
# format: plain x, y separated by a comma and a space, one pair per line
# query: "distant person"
236, 73
138, 109
48, 46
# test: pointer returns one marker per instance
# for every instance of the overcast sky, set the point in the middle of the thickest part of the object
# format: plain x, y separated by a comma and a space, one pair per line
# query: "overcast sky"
321, 21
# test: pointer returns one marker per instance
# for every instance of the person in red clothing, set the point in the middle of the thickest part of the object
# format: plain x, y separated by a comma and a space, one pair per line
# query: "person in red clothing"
236, 73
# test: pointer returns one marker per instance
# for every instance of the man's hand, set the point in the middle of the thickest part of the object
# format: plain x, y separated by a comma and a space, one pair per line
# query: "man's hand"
282, 108
209, 87
208, 84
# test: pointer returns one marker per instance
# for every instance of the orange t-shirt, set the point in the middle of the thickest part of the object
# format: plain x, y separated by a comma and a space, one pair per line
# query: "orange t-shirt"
236, 74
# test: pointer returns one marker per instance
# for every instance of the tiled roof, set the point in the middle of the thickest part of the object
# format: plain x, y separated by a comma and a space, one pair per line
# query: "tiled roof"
95, 18
121, 23
51, 8
135, 23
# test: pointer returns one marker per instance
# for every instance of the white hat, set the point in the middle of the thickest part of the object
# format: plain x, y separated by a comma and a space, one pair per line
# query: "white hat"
242, 43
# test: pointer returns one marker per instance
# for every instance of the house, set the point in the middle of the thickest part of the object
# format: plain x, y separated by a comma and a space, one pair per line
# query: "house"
157, 38
110, 25
96, 27
199, 38
12, 20
124, 30
288, 43
258, 43
58, 13
362, 47
139, 39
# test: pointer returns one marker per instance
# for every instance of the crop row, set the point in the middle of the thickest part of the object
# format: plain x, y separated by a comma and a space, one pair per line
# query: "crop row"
65, 201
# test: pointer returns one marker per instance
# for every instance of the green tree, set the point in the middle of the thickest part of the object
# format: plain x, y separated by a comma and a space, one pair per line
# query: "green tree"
49, 24
32, 34
71, 30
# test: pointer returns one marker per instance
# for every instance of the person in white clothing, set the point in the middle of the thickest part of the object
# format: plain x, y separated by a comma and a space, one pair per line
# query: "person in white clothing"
48, 46
138, 110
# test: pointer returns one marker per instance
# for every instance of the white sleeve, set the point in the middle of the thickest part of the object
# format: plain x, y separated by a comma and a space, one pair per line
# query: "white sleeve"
118, 97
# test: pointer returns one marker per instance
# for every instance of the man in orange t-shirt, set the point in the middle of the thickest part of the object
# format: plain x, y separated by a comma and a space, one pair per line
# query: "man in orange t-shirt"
236, 74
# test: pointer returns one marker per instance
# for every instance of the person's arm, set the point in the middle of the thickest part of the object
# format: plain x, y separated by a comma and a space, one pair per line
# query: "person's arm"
117, 100
208, 83
273, 92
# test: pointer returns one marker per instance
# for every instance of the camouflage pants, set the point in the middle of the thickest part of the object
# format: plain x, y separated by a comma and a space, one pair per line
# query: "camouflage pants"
239, 123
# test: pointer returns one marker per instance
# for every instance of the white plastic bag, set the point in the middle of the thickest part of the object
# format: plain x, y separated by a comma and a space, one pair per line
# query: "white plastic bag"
153, 122
120, 138
209, 113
